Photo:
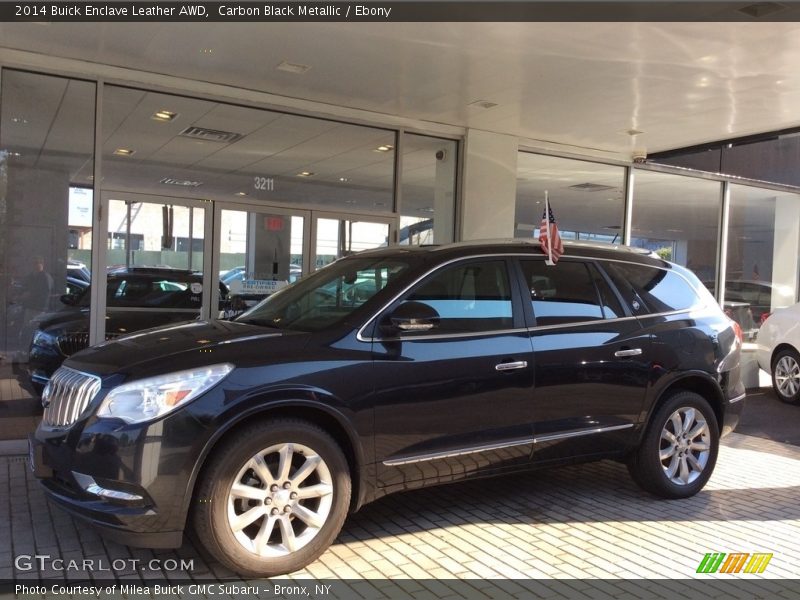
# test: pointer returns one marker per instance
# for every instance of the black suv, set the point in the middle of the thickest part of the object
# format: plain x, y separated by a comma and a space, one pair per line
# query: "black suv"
458, 361
136, 298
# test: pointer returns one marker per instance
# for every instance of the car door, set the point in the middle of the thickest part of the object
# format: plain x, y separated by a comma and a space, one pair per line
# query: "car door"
591, 360
455, 400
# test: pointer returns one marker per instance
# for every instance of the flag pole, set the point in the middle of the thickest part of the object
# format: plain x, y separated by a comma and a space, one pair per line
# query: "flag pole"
549, 237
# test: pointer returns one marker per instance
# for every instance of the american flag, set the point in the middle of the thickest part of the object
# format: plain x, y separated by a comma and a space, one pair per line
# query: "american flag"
549, 237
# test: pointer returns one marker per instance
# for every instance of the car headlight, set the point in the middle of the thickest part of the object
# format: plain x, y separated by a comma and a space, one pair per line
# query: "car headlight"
154, 397
42, 338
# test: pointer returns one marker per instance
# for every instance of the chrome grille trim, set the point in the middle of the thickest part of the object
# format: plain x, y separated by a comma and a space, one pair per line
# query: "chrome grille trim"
67, 396
70, 343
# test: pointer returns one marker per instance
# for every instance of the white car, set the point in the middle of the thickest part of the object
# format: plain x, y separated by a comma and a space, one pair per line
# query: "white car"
778, 344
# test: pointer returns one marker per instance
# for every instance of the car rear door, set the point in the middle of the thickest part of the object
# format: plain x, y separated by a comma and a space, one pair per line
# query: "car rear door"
592, 359
455, 400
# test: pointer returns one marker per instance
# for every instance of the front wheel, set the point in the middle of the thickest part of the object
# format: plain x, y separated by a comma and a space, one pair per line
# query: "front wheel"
273, 498
679, 450
786, 376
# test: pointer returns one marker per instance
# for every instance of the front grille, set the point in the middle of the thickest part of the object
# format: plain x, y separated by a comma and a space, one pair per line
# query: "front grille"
70, 343
67, 396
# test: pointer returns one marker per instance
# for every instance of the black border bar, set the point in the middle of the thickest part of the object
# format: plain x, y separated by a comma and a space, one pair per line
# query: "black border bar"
402, 11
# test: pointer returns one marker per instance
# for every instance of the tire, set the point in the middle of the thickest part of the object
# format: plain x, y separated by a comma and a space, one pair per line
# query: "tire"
658, 465
284, 529
786, 376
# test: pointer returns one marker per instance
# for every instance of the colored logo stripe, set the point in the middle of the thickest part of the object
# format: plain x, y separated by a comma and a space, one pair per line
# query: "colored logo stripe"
714, 562
711, 562
758, 563
734, 563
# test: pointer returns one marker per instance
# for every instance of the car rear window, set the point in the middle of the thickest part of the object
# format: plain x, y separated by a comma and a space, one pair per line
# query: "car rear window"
659, 290
569, 292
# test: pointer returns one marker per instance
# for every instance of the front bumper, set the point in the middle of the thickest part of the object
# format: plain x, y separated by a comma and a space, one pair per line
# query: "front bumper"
129, 481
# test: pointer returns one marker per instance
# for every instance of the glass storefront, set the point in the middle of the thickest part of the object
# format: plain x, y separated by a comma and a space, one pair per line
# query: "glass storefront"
46, 208
678, 219
762, 258
587, 198
428, 189
201, 209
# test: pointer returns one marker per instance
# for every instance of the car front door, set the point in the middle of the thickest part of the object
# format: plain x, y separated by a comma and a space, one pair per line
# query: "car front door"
454, 400
592, 360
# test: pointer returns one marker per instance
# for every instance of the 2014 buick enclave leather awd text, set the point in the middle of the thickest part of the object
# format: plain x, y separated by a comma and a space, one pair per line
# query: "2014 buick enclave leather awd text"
457, 361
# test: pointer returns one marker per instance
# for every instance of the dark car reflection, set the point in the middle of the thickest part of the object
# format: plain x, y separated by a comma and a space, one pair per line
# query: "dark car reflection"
136, 298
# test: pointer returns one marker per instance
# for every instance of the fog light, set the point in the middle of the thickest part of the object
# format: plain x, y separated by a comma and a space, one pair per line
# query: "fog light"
90, 486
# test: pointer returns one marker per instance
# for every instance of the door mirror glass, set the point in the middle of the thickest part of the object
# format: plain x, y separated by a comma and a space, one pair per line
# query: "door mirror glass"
414, 316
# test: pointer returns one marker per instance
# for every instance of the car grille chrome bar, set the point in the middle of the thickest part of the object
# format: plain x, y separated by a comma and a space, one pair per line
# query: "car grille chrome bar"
67, 396
70, 343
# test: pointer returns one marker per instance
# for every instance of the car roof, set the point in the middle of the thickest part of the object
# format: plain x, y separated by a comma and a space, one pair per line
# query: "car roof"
154, 272
523, 246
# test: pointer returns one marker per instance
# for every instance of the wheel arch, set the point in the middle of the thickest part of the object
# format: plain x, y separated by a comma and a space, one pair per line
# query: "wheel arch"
779, 348
326, 417
700, 383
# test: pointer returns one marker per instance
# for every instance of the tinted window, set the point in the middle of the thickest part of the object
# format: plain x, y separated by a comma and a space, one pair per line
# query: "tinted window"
469, 298
328, 296
154, 292
660, 289
564, 293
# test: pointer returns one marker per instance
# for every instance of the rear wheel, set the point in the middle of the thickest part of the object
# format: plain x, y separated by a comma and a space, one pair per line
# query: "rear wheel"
679, 450
273, 498
786, 376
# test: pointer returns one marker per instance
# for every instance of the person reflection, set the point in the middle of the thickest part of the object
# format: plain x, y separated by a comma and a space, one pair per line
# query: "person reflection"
37, 286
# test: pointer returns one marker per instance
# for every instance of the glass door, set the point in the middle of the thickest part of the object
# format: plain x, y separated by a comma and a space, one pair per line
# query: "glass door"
259, 250
337, 235
157, 267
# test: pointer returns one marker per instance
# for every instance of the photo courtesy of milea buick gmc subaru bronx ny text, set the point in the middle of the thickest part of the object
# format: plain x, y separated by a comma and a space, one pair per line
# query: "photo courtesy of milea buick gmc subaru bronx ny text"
389, 370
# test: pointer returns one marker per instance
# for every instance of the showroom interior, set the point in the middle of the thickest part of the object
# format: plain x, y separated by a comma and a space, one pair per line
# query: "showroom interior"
281, 147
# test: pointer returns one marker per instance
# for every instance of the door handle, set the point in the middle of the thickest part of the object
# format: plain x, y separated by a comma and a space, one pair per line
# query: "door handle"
628, 352
510, 366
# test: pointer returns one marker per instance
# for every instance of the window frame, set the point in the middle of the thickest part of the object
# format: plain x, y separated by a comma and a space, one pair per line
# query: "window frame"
518, 317
589, 263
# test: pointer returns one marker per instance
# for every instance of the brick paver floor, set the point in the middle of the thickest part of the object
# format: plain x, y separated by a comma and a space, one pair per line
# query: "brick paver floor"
586, 521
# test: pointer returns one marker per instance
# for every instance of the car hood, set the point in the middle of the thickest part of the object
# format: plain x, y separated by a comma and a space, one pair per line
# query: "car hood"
187, 346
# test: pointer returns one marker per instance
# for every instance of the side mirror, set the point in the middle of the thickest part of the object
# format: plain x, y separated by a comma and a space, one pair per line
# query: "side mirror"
68, 299
414, 316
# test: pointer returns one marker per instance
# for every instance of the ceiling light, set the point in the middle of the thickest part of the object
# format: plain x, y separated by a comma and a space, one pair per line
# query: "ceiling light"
206, 51
427, 209
20, 120
485, 104
164, 115
343, 179
290, 67
124, 152
305, 174
384, 148
181, 182
241, 193
351, 201
708, 59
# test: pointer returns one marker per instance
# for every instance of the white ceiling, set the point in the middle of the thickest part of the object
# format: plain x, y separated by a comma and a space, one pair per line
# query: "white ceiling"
577, 84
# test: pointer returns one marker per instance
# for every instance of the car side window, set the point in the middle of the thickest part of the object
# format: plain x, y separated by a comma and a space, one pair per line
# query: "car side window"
661, 290
566, 293
469, 298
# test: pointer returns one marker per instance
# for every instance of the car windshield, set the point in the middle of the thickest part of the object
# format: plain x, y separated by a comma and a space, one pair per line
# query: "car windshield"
328, 296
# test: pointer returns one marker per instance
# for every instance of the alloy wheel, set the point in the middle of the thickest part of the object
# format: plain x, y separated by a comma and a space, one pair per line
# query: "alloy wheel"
685, 446
787, 376
280, 500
